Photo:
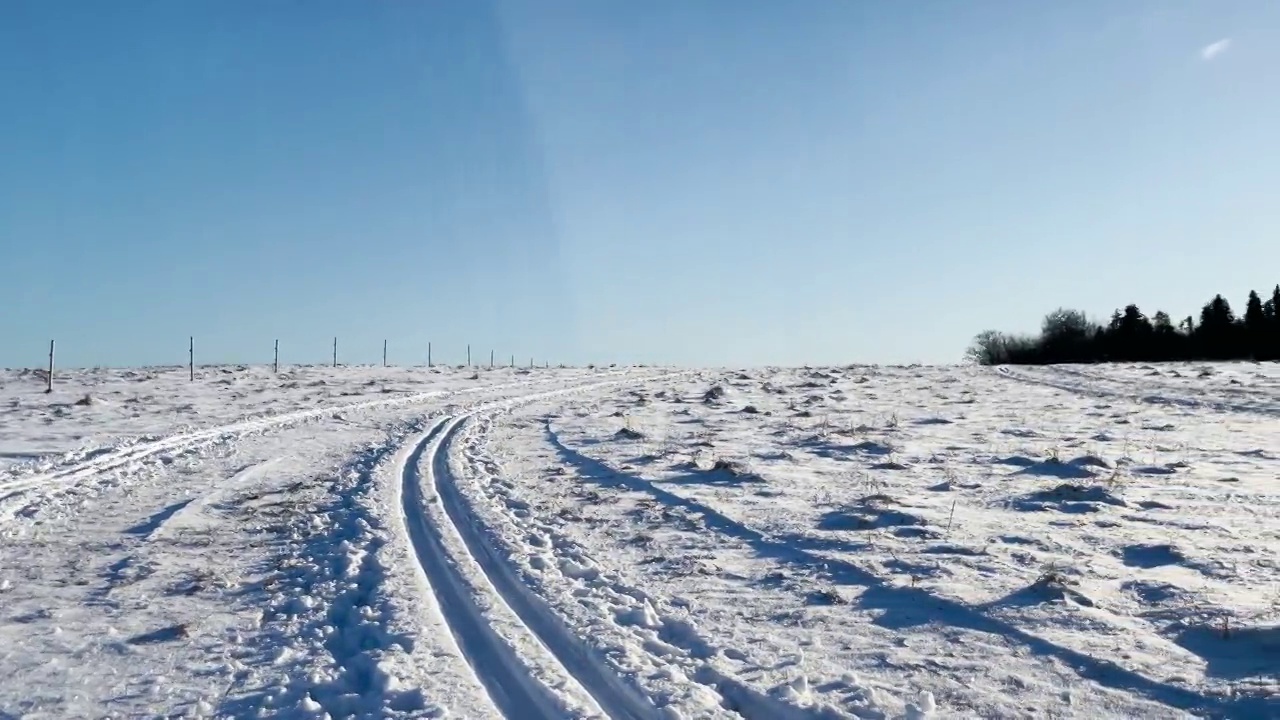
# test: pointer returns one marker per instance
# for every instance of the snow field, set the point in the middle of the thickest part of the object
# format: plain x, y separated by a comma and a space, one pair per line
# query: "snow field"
94, 409
854, 542
1007, 547
46, 473
226, 577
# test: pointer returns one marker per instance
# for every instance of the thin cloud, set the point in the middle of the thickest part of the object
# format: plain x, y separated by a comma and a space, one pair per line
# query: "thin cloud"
1214, 49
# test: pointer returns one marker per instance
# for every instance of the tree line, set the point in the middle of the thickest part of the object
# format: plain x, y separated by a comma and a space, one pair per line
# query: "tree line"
1069, 336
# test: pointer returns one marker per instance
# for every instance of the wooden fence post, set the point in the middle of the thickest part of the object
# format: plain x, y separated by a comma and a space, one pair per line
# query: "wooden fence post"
191, 358
384, 353
335, 352
490, 359
428, 354
275, 364
49, 380
468, 354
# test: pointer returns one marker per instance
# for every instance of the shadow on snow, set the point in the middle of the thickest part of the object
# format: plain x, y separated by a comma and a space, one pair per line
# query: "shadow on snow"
907, 607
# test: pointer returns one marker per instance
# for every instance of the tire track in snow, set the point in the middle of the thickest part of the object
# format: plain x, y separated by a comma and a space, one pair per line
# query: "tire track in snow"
101, 461
512, 688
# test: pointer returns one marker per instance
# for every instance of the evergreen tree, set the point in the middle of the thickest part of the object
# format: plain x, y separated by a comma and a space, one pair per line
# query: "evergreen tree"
1165, 339
1256, 327
1068, 336
1133, 321
1254, 317
1216, 315
1101, 345
1273, 345
1216, 335
1274, 302
1133, 334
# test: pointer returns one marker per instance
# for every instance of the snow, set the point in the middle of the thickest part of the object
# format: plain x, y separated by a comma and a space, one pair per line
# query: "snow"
850, 542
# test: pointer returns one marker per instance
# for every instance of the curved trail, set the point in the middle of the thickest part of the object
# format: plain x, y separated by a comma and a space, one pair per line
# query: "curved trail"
514, 690
102, 460
498, 667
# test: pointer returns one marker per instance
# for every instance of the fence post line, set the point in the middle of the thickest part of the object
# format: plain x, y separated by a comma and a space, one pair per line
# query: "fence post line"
275, 364
49, 380
191, 358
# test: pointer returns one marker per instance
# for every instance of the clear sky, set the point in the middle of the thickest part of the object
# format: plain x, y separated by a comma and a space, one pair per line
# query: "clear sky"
717, 182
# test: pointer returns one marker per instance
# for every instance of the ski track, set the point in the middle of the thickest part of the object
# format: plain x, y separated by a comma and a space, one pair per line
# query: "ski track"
103, 459
1082, 383
673, 647
513, 690
1239, 392
323, 637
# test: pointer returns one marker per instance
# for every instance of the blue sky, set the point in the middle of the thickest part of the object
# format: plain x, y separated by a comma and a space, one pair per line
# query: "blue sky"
701, 183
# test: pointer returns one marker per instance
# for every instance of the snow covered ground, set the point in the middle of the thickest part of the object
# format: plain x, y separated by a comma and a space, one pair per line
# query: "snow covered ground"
855, 542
